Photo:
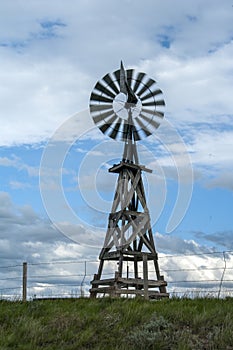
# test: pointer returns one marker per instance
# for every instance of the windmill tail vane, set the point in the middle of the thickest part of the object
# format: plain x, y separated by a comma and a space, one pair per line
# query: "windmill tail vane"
125, 87
127, 106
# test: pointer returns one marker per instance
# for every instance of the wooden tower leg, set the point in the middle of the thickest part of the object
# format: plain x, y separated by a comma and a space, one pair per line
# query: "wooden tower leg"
145, 276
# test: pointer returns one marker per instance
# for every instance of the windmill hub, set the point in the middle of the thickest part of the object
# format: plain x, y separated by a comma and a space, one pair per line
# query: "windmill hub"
121, 107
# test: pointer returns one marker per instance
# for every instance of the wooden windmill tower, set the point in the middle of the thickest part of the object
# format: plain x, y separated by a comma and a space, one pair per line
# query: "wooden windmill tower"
127, 106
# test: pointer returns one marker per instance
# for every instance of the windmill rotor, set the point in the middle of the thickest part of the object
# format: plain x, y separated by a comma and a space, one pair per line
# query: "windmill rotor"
127, 104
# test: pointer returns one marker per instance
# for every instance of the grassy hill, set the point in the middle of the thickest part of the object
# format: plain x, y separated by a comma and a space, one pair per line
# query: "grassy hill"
117, 324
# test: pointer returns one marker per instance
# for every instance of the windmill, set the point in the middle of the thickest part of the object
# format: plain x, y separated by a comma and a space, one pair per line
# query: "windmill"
127, 106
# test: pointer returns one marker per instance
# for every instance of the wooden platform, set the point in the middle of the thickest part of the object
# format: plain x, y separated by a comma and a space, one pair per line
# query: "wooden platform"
118, 286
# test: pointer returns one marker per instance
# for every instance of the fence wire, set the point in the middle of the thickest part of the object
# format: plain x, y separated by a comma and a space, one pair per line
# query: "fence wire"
192, 275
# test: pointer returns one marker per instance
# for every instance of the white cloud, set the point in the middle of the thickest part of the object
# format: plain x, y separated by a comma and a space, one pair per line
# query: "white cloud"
212, 157
25, 236
17, 163
50, 76
176, 245
48, 70
213, 148
221, 180
197, 89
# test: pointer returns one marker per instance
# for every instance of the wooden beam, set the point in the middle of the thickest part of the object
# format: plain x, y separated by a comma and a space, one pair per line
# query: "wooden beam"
132, 282
116, 168
145, 276
111, 290
24, 281
140, 282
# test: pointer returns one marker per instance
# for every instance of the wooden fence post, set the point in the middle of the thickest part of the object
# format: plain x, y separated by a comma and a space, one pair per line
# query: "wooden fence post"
24, 281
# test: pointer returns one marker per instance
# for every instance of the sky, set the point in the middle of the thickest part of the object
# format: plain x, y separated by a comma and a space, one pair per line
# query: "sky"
56, 191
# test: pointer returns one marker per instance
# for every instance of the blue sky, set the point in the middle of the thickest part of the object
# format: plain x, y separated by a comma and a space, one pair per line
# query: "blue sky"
51, 55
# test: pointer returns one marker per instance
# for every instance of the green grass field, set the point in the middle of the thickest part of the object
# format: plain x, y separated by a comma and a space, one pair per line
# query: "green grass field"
117, 324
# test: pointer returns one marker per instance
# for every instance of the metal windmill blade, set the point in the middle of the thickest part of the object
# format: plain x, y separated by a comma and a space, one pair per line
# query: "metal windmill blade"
127, 105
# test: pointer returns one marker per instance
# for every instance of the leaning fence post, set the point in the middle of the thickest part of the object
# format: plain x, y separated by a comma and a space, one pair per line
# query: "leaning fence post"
24, 281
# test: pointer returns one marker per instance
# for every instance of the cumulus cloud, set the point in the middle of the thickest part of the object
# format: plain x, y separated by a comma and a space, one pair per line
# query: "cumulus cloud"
48, 70
21, 225
176, 245
26, 236
194, 269
223, 239
50, 58
16, 162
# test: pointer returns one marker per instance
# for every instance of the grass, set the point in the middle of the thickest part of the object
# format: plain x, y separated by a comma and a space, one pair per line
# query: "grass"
117, 324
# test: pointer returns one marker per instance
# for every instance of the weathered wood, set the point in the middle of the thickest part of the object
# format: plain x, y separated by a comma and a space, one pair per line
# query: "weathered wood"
24, 281
120, 265
145, 276
111, 255
147, 244
151, 238
92, 293
128, 255
100, 268
117, 168
140, 281
110, 290
130, 282
135, 260
126, 212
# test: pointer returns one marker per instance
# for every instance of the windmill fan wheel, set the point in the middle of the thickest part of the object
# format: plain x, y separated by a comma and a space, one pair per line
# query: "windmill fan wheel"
135, 103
